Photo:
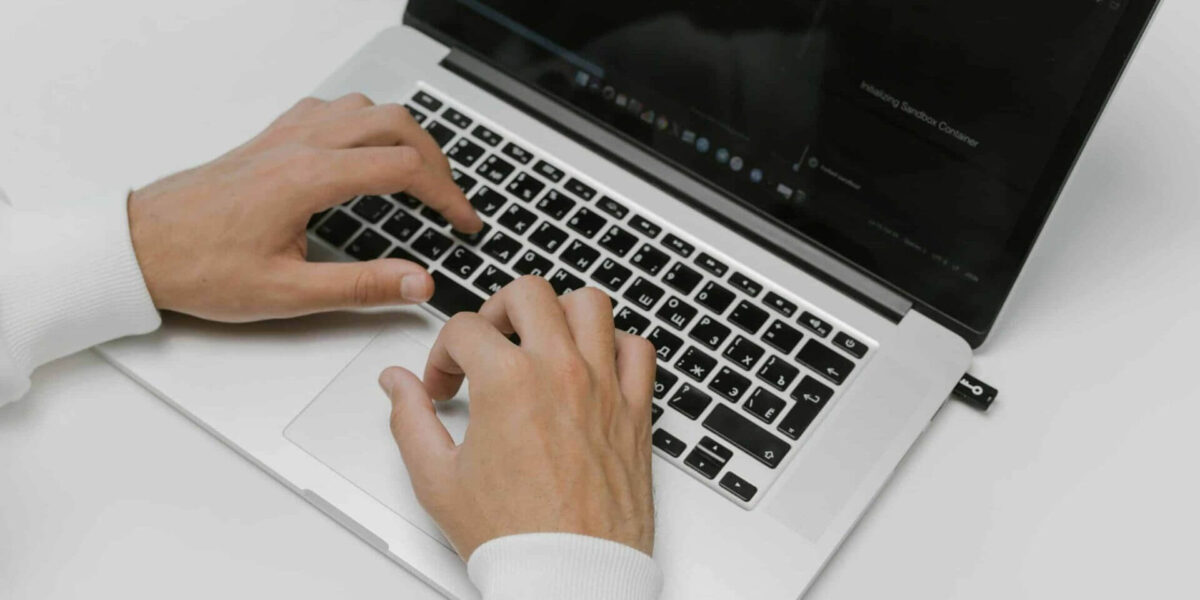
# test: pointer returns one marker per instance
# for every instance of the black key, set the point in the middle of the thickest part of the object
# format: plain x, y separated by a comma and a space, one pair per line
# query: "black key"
825, 362
579, 256
406, 200
690, 401
743, 433
548, 171
465, 182
465, 152
316, 218
695, 364
402, 226
518, 153
650, 259
782, 336
532, 263
548, 237
442, 134
816, 324
748, 286
525, 187
665, 343
488, 201
738, 487
492, 279
417, 115
709, 332
611, 275
431, 244
715, 297
729, 384
487, 136
782, 305
612, 207
719, 452
617, 240
403, 254
368, 245
656, 412
778, 373
808, 406
434, 216
473, 239
580, 189
462, 262
555, 204
564, 282
812, 391
456, 118
678, 246
495, 169
587, 223
664, 380
643, 293
711, 264
677, 313
856, 348
764, 405
703, 464
428, 101
668, 443
744, 353
517, 218
644, 227
683, 278
451, 298
748, 316
372, 208
338, 228
630, 322
502, 247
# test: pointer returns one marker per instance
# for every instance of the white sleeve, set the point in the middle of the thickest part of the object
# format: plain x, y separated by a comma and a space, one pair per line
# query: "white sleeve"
68, 281
550, 566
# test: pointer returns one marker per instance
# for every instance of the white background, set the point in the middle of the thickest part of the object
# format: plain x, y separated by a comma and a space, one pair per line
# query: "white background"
1080, 483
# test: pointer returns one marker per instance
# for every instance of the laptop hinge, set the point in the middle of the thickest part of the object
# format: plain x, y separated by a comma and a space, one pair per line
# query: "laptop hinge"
803, 253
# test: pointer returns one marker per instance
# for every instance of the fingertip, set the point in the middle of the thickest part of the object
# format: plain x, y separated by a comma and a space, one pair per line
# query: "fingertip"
390, 379
417, 287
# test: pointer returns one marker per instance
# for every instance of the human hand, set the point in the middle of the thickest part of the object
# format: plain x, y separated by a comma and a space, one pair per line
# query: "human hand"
559, 437
226, 240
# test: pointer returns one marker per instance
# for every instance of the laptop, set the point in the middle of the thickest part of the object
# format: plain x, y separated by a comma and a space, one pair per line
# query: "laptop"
814, 210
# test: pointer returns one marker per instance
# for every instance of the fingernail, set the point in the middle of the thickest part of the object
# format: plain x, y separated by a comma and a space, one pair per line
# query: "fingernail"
414, 288
387, 381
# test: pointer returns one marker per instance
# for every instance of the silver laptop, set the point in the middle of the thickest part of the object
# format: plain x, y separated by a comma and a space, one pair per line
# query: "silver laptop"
813, 209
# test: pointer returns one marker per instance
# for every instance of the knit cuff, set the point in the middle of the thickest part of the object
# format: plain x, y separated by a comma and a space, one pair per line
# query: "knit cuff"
562, 565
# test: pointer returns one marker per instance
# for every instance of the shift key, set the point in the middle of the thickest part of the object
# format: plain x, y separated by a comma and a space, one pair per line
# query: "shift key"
747, 436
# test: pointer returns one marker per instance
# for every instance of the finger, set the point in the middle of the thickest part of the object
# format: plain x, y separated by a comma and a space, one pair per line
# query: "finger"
319, 287
301, 109
530, 308
424, 443
350, 102
467, 346
636, 362
383, 125
589, 317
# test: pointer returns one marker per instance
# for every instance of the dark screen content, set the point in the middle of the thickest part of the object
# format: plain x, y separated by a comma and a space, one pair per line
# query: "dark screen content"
906, 137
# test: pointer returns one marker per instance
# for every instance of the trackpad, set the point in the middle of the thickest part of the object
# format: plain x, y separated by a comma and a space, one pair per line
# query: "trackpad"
346, 426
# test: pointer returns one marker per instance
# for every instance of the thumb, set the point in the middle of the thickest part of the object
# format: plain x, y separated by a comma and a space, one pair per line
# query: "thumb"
423, 441
319, 287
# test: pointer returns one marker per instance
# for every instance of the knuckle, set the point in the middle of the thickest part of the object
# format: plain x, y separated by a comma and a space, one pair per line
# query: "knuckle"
357, 98
592, 298
528, 285
396, 116
407, 159
308, 102
364, 289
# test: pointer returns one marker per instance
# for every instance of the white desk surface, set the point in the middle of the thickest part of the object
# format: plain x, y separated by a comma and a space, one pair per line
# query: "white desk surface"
1080, 483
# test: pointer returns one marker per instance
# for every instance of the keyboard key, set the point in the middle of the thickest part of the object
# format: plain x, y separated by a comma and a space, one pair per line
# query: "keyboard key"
487, 136
372, 209
677, 313
664, 380
678, 246
705, 465
743, 433
729, 384
338, 228
465, 152
517, 153
748, 316
406, 200
492, 280
643, 293
517, 218
525, 187
748, 286
812, 391
630, 322
612, 207
403, 254
456, 118
808, 406
368, 245
417, 115
473, 239
442, 134
487, 201
465, 182
683, 278
611, 275
579, 256
738, 487
856, 348
719, 452
644, 227
709, 333
778, 373
825, 362
668, 443
617, 240
450, 297
815, 324
580, 189
650, 259
502, 247
316, 218
564, 282
434, 216
462, 262
714, 297
665, 343
548, 237
548, 171
764, 405
587, 223
656, 412
431, 244
495, 169
782, 336
402, 226
424, 99
690, 401
532, 263
711, 264
696, 364
555, 205
781, 305
744, 353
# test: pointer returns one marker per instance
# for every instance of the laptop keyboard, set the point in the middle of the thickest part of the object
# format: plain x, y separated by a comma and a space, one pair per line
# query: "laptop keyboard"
745, 369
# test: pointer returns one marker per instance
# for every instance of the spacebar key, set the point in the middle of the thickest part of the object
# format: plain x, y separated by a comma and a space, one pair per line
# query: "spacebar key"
744, 434
451, 298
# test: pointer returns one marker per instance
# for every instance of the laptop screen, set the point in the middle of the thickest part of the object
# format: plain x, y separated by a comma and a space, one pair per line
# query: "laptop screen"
922, 141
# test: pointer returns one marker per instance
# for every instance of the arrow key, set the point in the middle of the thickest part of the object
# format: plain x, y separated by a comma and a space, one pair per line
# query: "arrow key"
738, 487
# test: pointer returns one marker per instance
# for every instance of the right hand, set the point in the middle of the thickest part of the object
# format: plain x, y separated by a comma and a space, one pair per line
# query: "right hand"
559, 437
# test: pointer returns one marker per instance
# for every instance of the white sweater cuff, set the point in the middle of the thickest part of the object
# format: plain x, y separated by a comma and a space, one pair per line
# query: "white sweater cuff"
542, 566
68, 281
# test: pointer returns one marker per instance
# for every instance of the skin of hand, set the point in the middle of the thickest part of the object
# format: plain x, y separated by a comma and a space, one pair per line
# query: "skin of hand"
226, 241
559, 436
